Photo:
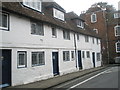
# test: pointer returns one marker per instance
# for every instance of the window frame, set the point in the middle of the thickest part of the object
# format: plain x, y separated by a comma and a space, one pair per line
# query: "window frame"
72, 55
55, 32
5, 28
115, 28
25, 59
88, 54
38, 59
80, 24
117, 47
37, 24
31, 5
65, 56
86, 38
116, 15
66, 34
61, 14
93, 21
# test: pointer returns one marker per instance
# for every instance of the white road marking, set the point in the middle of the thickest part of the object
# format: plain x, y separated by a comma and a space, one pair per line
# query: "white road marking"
87, 80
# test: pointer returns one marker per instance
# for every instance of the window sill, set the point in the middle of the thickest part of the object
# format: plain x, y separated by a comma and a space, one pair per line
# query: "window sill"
37, 65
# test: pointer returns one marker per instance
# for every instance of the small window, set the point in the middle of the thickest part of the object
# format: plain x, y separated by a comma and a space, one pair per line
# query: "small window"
80, 24
72, 55
116, 15
83, 54
38, 58
98, 56
93, 18
33, 4
88, 54
66, 56
54, 33
78, 37
97, 41
93, 40
86, 38
37, 28
95, 30
3, 21
117, 30
118, 47
58, 14
66, 35
22, 59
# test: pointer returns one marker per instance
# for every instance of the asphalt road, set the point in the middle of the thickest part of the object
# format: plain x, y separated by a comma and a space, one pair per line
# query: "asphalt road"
107, 78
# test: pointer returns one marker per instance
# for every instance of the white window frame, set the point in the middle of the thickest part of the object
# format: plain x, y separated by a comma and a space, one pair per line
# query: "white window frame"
5, 28
37, 59
72, 55
115, 28
87, 39
92, 21
116, 15
66, 56
41, 32
31, 3
88, 54
54, 31
117, 47
58, 14
98, 57
80, 24
66, 35
25, 59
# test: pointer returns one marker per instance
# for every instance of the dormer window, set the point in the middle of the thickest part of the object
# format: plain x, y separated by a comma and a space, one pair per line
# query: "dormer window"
116, 15
80, 24
33, 4
58, 14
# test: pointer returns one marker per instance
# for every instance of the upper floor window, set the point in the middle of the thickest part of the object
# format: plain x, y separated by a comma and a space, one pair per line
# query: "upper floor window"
93, 18
78, 37
80, 24
97, 40
95, 30
116, 15
66, 35
37, 28
54, 32
3, 21
93, 40
118, 47
58, 14
86, 38
117, 30
34, 4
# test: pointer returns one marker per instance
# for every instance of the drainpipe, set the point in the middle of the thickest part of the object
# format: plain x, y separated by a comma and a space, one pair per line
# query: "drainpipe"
106, 35
75, 49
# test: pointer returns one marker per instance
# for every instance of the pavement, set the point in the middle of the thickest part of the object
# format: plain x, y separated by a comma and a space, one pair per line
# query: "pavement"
51, 82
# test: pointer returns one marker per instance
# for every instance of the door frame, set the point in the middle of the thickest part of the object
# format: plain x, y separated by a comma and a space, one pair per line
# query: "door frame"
57, 61
4, 53
93, 59
79, 59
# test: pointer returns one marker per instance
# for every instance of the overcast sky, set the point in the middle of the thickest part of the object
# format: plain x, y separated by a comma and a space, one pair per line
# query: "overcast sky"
82, 5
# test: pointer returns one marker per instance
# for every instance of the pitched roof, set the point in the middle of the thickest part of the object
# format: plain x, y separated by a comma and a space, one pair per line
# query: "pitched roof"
45, 17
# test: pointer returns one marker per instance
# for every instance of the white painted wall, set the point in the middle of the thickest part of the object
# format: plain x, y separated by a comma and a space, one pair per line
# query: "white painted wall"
19, 38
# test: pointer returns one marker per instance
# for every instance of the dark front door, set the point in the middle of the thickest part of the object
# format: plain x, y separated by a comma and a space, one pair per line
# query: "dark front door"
55, 63
79, 60
93, 57
5, 68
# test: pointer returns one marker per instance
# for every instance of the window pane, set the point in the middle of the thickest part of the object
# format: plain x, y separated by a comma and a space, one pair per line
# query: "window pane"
41, 58
118, 47
98, 56
34, 59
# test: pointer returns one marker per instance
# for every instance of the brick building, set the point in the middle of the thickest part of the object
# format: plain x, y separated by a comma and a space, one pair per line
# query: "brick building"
106, 24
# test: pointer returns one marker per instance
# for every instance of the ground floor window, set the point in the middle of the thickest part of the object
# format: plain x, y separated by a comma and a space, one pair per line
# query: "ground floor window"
66, 56
72, 55
118, 47
38, 58
88, 54
98, 56
83, 54
22, 59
